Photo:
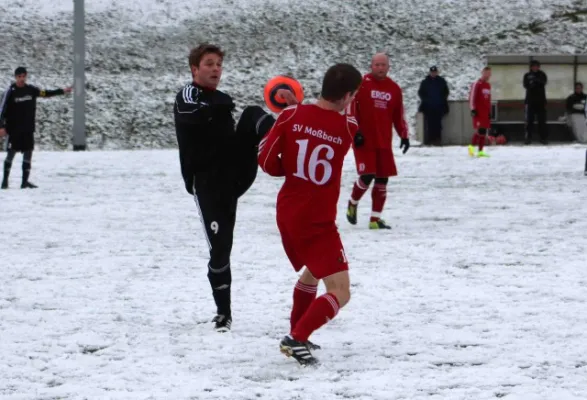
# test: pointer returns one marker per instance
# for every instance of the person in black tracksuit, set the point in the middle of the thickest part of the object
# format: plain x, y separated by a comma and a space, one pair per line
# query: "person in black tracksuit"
18, 109
218, 163
535, 84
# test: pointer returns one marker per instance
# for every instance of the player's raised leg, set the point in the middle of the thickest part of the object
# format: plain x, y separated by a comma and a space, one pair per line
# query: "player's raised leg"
252, 126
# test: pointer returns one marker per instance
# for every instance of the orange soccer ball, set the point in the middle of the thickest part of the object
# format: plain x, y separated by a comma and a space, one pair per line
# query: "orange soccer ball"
276, 103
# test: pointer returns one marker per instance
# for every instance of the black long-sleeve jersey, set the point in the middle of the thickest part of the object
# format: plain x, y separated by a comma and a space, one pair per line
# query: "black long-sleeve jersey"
206, 135
18, 107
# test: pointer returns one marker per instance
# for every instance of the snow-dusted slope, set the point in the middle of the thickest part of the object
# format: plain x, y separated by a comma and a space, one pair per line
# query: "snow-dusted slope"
137, 51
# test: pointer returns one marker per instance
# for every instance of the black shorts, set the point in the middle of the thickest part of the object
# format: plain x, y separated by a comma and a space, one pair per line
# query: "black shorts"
21, 142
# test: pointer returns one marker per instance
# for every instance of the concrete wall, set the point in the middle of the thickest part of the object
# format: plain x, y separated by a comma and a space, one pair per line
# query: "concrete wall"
457, 124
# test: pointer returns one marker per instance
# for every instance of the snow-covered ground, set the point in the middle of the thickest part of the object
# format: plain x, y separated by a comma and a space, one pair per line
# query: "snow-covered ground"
479, 291
137, 50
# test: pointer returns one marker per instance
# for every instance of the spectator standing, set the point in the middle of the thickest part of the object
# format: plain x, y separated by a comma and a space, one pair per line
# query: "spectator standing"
433, 93
535, 84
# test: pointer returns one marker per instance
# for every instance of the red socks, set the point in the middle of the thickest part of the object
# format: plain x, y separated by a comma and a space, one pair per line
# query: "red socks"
359, 189
481, 141
303, 296
378, 196
478, 140
322, 310
474, 139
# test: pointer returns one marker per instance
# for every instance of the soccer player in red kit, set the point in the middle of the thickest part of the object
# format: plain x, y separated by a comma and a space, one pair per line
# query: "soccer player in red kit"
378, 108
307, 146
480, 104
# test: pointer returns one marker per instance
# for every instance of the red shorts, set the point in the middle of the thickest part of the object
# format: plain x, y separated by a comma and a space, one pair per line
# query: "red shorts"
481, 122
378, 162
323, 254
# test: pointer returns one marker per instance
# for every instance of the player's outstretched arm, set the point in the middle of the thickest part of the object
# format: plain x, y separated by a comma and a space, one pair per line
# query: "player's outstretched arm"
51, 92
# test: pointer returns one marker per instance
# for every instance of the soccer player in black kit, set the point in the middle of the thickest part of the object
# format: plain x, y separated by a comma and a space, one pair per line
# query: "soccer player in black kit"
18, 109
218, 160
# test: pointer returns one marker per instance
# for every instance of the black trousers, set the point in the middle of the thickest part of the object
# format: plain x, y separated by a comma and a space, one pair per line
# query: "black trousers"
218, 216
217, 201
432, 126
536, 113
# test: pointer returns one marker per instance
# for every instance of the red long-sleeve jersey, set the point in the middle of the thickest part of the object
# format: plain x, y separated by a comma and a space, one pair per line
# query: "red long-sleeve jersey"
307, 145
379, 107
480, 97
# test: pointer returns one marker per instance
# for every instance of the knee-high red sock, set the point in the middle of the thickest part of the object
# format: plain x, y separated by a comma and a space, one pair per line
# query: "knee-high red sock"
303, 296
474, 139
378, 196
481, 141
322, 310
359, 189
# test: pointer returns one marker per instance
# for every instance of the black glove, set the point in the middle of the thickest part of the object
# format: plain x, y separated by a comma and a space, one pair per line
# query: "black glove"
405, 144
359, 139
473, 113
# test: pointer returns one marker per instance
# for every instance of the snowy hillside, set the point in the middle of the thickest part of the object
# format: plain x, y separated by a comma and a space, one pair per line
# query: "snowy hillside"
138, 50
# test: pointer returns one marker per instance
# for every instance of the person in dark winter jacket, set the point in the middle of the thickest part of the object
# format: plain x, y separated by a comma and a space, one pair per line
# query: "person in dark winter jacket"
577, 113
535, 84
433, 93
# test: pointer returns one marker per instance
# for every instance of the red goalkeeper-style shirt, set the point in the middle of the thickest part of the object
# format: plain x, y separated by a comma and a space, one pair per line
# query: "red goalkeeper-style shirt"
379, 108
